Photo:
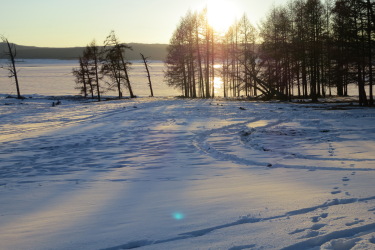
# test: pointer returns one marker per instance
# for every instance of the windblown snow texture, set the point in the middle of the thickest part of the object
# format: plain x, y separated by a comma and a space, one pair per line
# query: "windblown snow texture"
185, 174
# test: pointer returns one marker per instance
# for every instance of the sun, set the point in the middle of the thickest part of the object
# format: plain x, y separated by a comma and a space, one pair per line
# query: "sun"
221, 14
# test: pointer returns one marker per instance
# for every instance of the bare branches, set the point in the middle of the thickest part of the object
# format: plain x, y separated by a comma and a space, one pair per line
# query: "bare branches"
11, 53
115, 64
87, 75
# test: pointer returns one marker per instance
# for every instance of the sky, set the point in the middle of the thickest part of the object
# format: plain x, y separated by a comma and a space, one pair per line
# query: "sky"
71, 23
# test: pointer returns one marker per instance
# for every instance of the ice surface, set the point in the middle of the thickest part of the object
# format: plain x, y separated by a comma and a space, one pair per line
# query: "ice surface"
166, 173
55, 78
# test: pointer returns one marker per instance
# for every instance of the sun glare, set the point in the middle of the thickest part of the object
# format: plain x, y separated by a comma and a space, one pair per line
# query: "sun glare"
221, 14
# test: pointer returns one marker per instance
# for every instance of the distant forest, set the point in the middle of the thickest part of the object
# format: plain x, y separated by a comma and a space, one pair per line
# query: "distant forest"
154, 52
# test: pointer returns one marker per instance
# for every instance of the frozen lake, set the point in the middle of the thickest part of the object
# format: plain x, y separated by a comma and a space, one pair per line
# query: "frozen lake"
54, 77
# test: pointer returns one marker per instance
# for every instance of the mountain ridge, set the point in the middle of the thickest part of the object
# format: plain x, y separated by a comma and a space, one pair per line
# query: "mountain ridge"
153, 51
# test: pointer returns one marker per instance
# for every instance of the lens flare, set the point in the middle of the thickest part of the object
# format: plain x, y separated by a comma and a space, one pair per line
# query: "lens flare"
178, 216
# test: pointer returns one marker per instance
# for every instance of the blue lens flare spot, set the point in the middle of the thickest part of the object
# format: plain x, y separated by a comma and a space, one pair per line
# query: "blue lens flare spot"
178, 216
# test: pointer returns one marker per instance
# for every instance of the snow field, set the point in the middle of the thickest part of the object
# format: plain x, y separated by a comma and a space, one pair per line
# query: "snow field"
159, 173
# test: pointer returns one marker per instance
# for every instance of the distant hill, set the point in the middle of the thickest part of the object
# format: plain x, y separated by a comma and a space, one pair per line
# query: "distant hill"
154, 51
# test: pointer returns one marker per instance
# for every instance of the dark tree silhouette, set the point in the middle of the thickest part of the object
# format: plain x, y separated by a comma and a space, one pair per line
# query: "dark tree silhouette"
370, 32
192, 55
146, 63
94, 55
11, 53
80, 75
88, 72
306, 48
117, 66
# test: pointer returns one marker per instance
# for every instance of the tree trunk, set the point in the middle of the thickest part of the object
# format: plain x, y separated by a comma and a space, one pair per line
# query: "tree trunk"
148, 74
126, 76
13, 69
96, 76
369, 41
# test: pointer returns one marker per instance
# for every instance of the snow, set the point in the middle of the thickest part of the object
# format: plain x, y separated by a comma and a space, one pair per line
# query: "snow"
169, 173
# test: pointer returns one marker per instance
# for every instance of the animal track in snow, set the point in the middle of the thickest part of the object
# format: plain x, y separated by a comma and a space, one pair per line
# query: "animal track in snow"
331, 149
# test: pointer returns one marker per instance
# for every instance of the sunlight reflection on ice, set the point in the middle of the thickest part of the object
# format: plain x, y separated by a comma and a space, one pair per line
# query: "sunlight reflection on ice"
218, 85
260, 123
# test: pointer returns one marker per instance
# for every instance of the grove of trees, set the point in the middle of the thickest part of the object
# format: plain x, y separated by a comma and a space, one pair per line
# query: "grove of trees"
103, 68
304, 49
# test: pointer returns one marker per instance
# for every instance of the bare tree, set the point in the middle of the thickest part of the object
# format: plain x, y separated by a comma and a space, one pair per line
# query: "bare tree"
370, 31
80, 76
148, 73
94, 56
11, 53
88, 72
115, 55
191, 56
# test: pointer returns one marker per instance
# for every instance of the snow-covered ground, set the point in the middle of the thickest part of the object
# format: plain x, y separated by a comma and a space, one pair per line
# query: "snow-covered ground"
168, 173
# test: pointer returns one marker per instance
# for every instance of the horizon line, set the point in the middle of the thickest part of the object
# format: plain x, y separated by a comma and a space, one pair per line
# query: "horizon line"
83, 46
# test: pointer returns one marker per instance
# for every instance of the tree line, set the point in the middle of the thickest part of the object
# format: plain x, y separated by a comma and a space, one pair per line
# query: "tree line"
106, 68
106, 63
304, 49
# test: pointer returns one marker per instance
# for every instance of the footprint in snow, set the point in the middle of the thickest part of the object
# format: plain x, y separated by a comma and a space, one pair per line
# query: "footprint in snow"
345, 179
314, 227
298, 231
336, 192
242, 247
319, 217
310, 234
355, 222
317, 226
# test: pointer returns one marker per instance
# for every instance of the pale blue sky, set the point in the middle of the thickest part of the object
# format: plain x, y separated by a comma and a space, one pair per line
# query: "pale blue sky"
68, 23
